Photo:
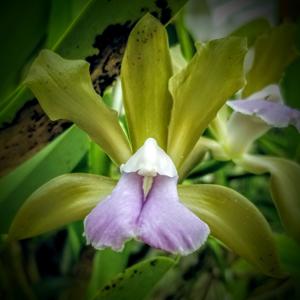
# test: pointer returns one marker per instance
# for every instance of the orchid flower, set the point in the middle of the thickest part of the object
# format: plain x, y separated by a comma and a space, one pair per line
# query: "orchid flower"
260, 109
166, 114
252, 118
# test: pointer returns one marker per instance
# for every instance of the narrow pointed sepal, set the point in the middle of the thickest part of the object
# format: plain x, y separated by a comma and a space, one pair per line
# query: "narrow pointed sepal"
274, 51
219, 63
113, 221
165, 223
65, 91
236, 222
285, 188
146, 69
60, 201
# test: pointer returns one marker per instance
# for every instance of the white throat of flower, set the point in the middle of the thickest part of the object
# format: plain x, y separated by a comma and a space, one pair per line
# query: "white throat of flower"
149, 161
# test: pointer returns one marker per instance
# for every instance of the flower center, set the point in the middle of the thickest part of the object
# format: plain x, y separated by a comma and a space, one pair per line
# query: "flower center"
149, 161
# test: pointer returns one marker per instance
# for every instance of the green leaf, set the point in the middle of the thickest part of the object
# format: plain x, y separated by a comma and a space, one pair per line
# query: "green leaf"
273, 52
236, 222
108, 264
289, 252
61, 16
146, 69
65, 91
136, 282
57, 158
78, 39
289, 85
285, 188
199, 91
252, 30
184, 38
23, 27
60, 201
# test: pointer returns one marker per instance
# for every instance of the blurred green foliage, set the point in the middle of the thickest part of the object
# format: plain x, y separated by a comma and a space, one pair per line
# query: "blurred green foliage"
58, 265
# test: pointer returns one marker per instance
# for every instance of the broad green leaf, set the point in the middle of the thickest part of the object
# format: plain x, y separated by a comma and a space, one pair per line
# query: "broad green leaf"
274, 50
65, 91
60, 201
107, 264
252, 30
23, 27
61, 16
289, 252
289, 84
146, 69
236, 222
136, 282
78, 39
57, 158
200, 90
98, 162
285, 187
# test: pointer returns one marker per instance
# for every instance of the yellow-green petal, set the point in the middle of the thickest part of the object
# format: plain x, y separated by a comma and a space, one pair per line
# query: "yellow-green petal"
146, 69
236, 222
274, 50
200, 90
285, 187
64, 90
252, 30
62, 200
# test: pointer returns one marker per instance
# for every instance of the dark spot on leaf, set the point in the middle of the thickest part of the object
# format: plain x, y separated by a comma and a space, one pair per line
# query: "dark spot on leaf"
32, 129
155, 14
165, 11
105, 65
153, 263
137, 256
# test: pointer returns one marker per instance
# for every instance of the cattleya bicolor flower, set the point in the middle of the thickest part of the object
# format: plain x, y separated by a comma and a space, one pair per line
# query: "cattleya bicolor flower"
166, 113
260, 109
251, 118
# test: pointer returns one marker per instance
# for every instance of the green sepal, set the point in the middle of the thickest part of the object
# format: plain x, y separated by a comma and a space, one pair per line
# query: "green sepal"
274, 51
252, 30
285, 188
200, 90
146, 69
65, 91
236, 222
62, 200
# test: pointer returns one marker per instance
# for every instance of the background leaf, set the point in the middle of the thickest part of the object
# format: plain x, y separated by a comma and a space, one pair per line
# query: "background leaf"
136, 282
289, 84
81, 39
58, 158
23, 29
252, 30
